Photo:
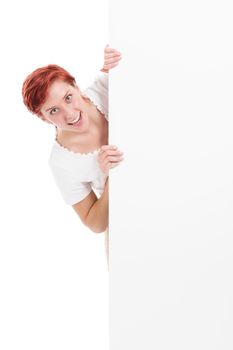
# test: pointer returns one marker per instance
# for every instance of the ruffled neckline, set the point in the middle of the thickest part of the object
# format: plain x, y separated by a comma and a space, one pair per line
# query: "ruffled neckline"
67, 150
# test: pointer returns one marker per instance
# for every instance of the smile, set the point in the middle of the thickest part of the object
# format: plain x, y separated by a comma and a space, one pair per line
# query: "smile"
76, 120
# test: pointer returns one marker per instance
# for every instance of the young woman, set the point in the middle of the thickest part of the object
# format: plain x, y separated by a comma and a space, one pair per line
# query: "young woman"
80, 158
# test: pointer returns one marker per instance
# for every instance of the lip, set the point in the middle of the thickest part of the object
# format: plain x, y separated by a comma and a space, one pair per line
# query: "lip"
79, 122
72, 123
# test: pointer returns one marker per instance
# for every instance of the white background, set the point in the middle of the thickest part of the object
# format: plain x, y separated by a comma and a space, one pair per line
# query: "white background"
171, 223
53, 271
171, 227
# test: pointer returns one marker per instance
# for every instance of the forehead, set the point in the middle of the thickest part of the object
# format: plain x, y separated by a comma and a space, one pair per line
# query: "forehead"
58, 89
56, 92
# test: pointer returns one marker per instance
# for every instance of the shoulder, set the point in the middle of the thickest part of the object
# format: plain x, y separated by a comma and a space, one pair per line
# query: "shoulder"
97, 92
99, 85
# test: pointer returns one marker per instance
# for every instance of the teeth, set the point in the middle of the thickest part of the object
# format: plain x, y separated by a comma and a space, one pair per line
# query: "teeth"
76, 119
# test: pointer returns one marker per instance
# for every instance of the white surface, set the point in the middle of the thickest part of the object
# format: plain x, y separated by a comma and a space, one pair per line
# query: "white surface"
171, 112
53, 271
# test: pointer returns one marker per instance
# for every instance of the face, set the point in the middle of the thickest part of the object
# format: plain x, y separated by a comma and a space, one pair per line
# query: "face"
65, 107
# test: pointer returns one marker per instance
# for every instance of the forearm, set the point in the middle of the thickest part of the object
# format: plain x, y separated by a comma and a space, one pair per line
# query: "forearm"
97, 218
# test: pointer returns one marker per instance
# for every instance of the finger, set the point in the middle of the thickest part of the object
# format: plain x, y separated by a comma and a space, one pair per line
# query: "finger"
112, 159
112, 65
112, 60
110, 55
109, 159
109, 156
105, 147
110, 50
104, 156
106, 162
105, 153
115, 53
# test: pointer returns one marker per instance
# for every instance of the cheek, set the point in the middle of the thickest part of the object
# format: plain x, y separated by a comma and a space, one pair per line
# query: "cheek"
41, 116
45, 118
76, 103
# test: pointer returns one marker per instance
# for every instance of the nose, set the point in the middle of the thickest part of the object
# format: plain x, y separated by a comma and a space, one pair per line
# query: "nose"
69, 113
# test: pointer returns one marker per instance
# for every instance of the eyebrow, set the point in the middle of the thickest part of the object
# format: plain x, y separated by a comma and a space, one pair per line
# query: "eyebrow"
55, 106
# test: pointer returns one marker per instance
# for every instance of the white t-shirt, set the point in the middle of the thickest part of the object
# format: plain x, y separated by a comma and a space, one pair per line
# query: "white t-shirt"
77, 174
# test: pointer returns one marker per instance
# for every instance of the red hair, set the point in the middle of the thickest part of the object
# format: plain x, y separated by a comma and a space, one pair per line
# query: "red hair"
36, 85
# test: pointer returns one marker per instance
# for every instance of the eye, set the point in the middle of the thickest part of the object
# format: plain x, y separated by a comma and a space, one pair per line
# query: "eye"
68, 98
53, 111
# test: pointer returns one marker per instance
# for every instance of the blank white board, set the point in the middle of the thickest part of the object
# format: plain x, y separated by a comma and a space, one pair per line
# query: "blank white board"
171, 201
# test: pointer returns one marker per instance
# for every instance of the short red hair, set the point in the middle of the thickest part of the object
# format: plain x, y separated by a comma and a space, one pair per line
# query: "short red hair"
36, 85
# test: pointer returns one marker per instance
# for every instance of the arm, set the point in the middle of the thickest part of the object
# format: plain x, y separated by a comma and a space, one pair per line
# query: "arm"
97, 218
111, 59
93, 212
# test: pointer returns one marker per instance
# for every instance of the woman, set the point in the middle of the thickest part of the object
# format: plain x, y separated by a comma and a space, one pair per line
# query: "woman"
81, 157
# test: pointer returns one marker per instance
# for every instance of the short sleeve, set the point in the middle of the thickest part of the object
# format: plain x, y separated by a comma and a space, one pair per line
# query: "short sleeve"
71, 189
98, 93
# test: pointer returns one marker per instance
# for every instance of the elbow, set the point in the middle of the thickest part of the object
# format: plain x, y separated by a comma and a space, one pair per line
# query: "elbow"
95, 228
97, 231
96, 224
